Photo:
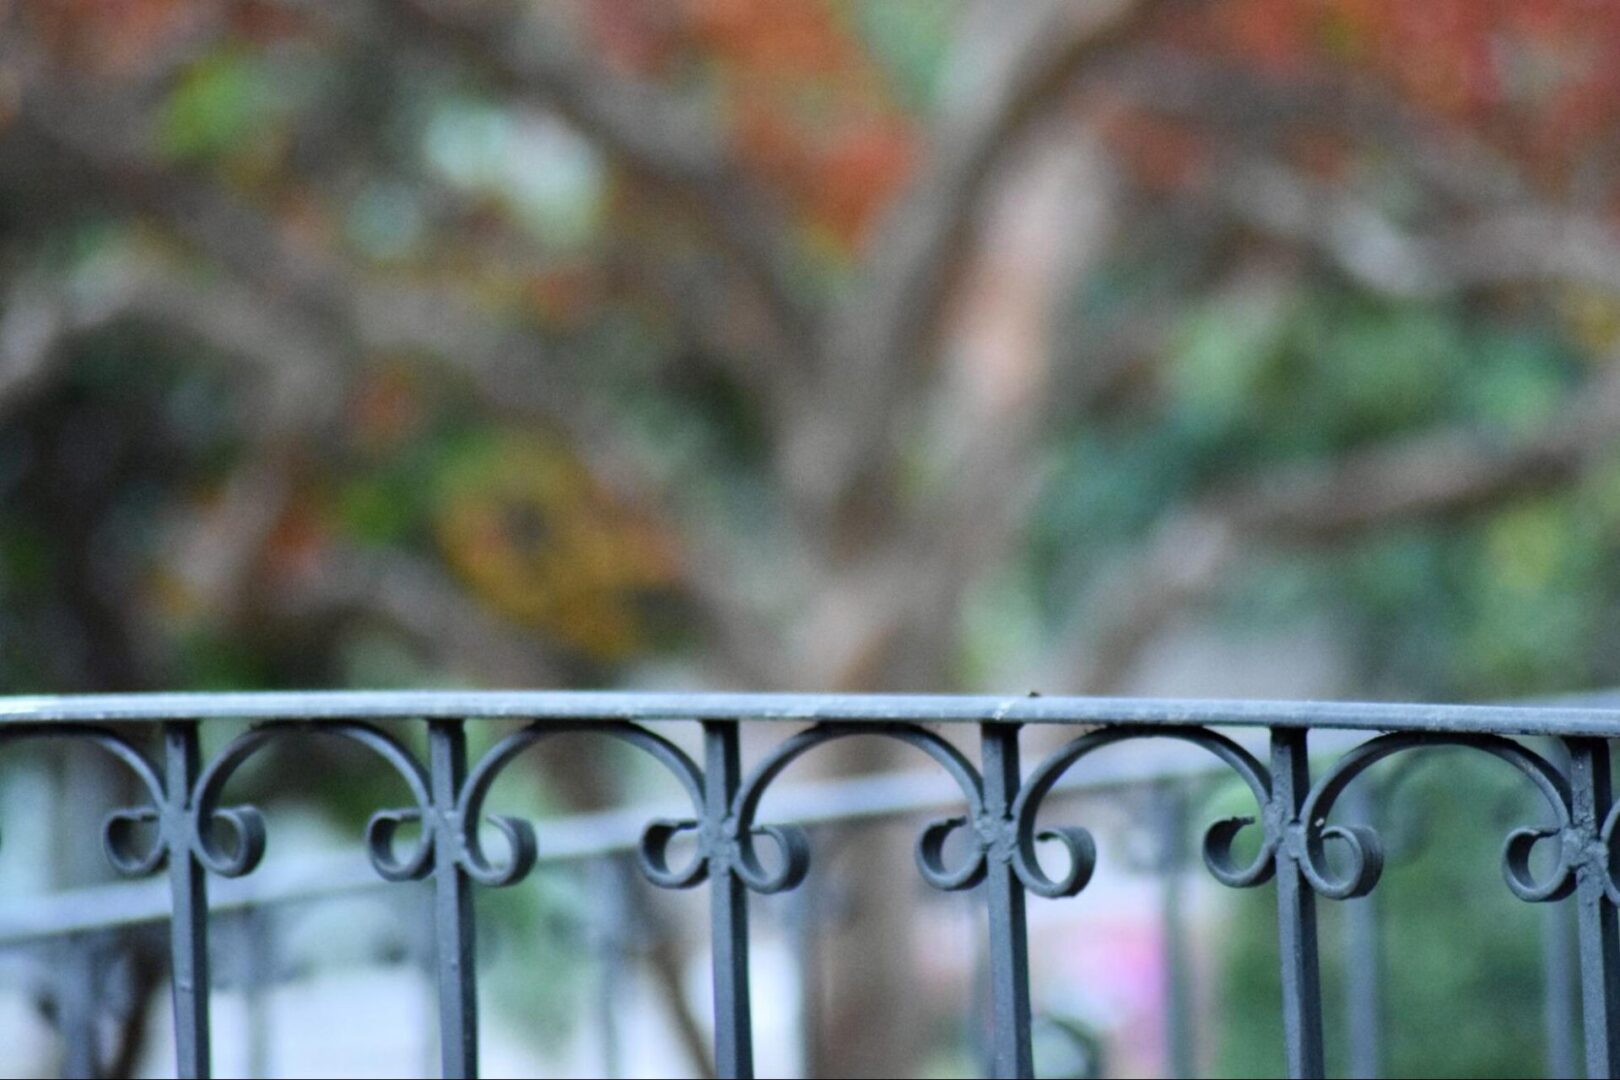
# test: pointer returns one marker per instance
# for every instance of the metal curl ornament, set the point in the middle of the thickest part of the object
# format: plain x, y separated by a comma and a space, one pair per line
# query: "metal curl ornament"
1364, 851
522, 847
1081, 847
652, 855
230, 841
793, 848
1606, 852
930, 852
121, 829
382, 831
793, 843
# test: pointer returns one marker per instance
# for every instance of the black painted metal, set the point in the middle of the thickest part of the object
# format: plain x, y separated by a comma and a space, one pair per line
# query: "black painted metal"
1171, 824
1558, 1002
1011, 1055
1363, 960
728, 902
75, 1001
1296, 907
998, 842
1599, 935
453, 926
188, 926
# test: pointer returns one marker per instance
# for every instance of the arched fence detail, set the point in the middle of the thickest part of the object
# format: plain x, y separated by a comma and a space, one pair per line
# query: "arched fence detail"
185, 826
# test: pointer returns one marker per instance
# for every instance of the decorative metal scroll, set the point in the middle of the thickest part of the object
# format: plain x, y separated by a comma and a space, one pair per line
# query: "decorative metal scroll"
1364, 851
522, 846
793, 845
122, 830
438, 834
231, 841
245, 824
1219, 839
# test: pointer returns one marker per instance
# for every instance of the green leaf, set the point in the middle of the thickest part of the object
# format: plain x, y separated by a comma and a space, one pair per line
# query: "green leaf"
218, 105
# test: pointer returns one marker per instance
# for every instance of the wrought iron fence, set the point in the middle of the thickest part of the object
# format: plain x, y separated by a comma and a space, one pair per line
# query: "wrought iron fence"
189, 830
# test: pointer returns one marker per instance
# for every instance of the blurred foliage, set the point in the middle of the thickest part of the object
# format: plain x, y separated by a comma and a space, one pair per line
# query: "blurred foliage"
823, 102
524, 524
412, 169
1511, 602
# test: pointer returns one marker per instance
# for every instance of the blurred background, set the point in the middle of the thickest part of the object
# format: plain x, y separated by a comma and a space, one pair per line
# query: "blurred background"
1254, 348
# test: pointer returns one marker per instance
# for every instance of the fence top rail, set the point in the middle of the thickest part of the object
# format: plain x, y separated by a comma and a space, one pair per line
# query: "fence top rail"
1596, 715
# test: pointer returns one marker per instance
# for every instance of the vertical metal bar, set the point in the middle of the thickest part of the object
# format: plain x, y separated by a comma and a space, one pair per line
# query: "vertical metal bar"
1363, 964
728, 904
609, 923
980, 1034
188, 900
76, 1007
1557, 968
1296, 908
1170, 799
254, 926
453, 934
804, 917
1010, 1052
1598, 932
1558, 999
418, 907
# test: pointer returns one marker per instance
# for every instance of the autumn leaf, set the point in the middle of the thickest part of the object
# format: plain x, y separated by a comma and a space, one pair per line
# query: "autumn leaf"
535, 537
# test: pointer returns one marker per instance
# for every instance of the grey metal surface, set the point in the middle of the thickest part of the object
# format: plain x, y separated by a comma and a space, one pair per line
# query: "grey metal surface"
1586, 715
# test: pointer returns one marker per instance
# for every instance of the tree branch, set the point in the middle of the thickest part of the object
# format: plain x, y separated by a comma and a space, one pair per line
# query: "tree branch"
309, 311
893, 620
876, 339
669, 145
1243, 107
34, 321
1430, 477
1499, 247
413, 596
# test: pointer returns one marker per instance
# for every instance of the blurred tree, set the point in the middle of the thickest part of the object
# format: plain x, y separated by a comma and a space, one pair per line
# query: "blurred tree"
901, 346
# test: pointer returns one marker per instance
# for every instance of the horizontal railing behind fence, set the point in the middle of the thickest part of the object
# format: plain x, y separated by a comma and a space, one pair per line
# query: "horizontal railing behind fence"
188, 829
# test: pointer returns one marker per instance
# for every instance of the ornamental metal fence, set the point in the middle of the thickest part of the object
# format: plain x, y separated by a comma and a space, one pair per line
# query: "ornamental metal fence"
190, 831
